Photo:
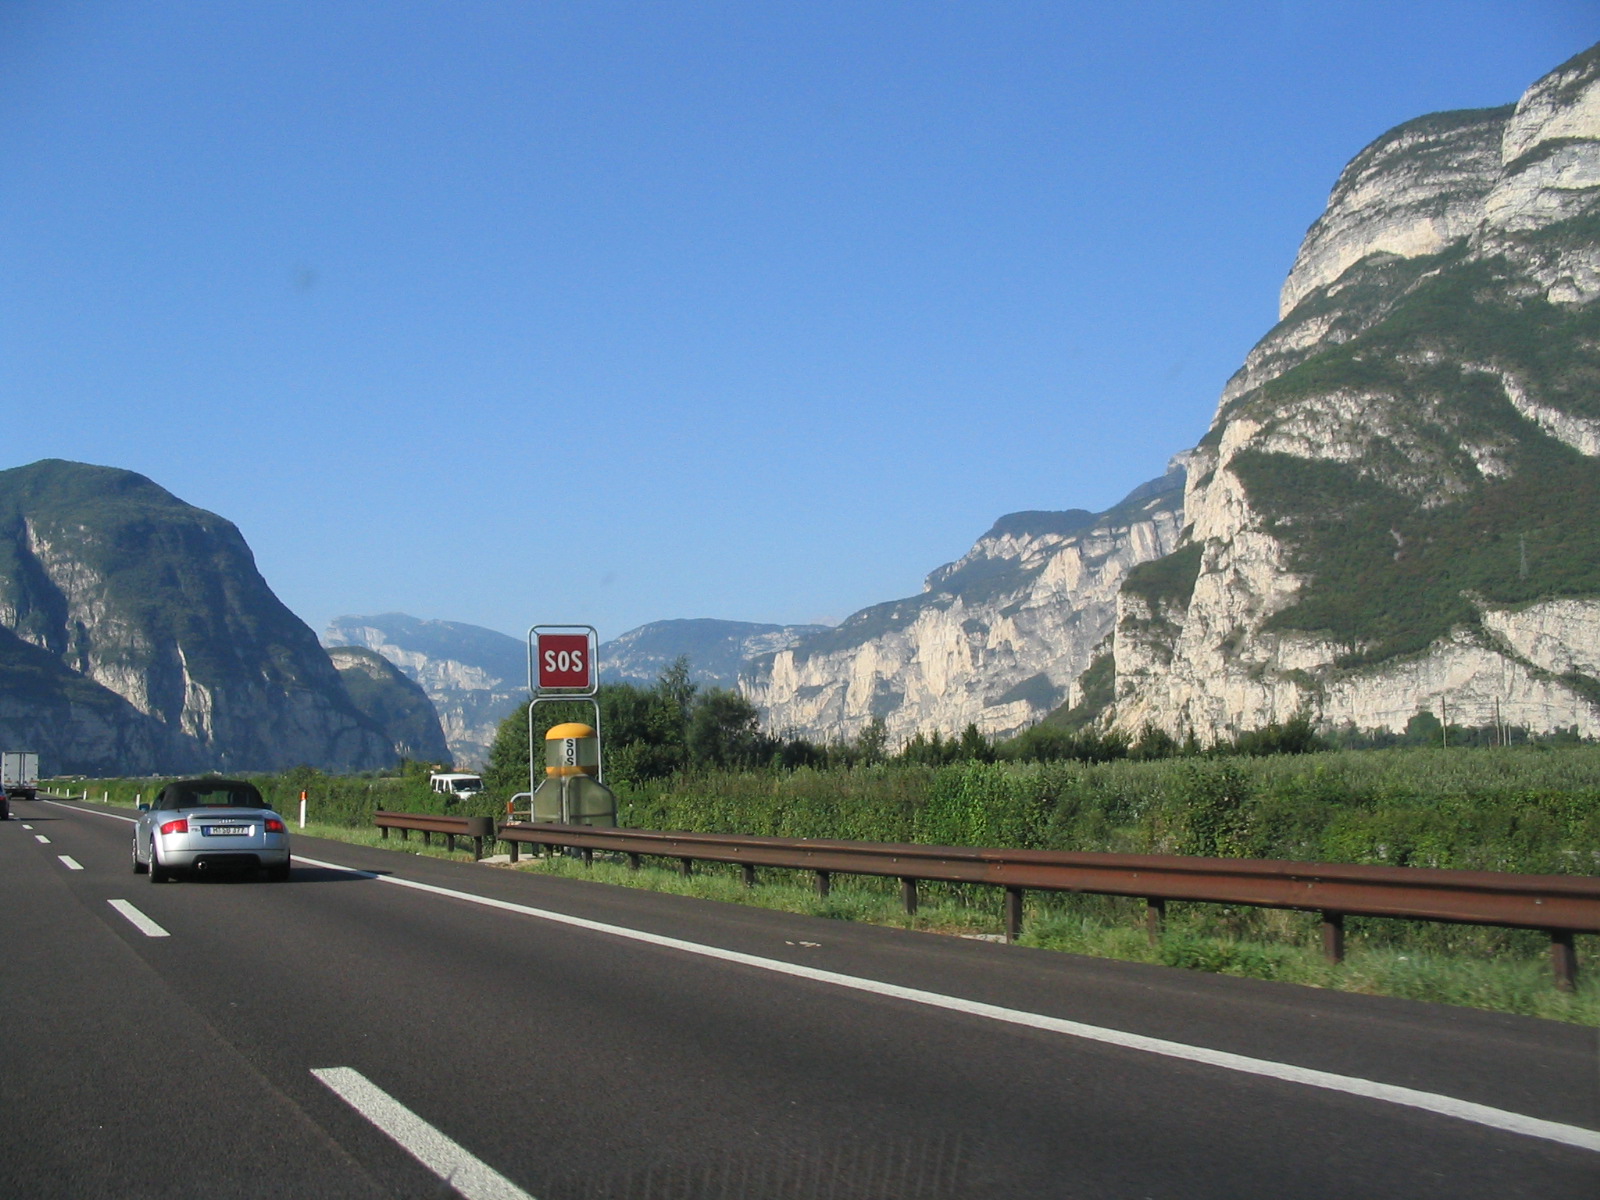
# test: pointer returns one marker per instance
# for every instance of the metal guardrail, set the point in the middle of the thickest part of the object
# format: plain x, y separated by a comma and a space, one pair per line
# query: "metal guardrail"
479, 829
1560, 905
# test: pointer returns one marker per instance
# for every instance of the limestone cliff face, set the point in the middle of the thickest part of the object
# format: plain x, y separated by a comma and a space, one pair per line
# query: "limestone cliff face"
1414, 191
997, 639
75, 725
132, 594
1395, 507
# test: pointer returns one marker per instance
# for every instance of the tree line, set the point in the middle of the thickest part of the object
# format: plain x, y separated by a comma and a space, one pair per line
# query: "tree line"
674, 726
654, 732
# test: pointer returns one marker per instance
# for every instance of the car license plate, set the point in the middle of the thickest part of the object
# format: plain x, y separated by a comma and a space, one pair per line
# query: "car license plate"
224, 830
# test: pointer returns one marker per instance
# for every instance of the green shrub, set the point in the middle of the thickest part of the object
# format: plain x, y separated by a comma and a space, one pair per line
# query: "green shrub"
1223, 958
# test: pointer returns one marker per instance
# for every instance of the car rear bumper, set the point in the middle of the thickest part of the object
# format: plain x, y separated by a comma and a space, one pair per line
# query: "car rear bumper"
222, 858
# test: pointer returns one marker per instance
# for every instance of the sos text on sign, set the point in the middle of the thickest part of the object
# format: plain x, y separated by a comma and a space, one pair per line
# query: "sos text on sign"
564, 661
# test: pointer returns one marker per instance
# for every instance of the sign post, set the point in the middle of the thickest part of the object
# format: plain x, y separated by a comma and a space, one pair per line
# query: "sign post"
563, 664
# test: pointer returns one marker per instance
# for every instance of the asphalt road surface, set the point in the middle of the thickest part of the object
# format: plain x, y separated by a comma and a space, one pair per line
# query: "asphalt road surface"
390, 1025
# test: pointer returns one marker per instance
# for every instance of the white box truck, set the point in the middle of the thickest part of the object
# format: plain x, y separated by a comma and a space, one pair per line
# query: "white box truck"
19, 774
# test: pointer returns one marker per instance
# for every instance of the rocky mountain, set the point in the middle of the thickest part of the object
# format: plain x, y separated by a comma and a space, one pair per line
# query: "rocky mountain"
1396, 506
137, 636
718, 651
998, 638
392, 702
475, 677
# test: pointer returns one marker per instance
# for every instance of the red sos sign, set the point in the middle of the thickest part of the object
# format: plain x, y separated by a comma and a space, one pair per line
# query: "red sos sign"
564, 661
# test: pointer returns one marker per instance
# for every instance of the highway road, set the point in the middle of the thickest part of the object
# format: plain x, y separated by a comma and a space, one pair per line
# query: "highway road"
383, 1023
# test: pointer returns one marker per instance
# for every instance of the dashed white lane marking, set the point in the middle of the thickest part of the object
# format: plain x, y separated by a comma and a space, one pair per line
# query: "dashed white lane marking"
69, 862
41, 839
27, 826
140, 922
1446, 1106
460, 1169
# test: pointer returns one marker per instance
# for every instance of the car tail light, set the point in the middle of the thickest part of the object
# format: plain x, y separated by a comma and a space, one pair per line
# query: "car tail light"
274, 825
181, 825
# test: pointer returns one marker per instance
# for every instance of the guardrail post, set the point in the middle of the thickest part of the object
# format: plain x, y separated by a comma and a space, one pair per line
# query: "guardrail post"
824, 884
384, 832
908, 896
588, 856
514, 848
686, 865
1564, 959
1155, 912
634, 861
427, 837
749, 875
1013, 913
405, 835
1333, 937
450, 842
477, 829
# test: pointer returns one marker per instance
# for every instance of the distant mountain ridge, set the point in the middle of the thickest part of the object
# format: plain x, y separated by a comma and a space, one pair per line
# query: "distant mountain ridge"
476, 677
137, 636
718, 651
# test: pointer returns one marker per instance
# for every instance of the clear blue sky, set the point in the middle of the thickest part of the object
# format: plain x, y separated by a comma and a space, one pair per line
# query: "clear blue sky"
530, 312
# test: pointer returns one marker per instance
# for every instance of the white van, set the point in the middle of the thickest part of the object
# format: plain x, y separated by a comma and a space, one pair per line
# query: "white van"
456, 785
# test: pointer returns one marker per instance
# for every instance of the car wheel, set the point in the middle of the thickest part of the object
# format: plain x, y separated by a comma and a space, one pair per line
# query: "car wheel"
158, 873
139, 868
279, 873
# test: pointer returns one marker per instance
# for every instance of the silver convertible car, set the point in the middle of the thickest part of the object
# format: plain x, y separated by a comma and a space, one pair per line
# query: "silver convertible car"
217, 825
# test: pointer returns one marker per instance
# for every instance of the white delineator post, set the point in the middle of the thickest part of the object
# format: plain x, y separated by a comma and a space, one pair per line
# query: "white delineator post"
302, 810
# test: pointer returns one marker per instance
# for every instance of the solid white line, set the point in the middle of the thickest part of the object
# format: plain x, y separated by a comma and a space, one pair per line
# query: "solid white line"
1446, 1106
94, 811
446, 1158
69, 862
41, 839
140, 922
